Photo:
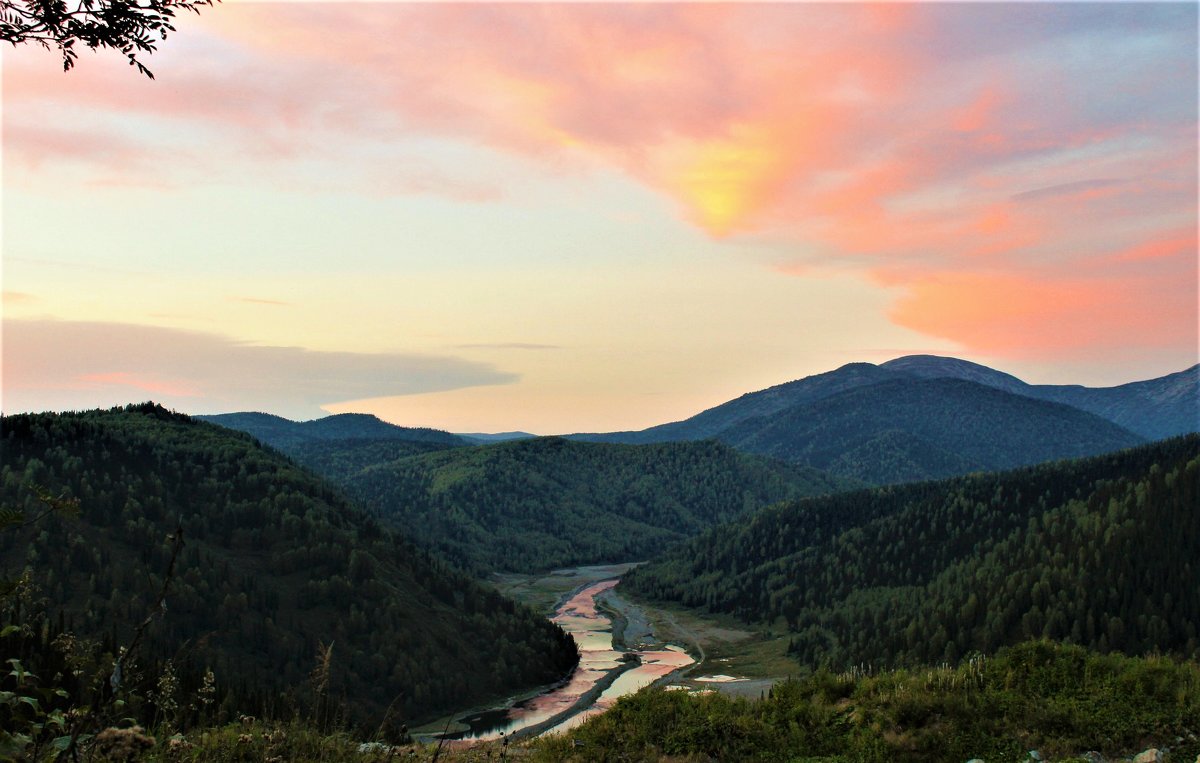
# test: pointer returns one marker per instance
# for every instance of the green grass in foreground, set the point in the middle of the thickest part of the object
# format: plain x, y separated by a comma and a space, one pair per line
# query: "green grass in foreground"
1060, 700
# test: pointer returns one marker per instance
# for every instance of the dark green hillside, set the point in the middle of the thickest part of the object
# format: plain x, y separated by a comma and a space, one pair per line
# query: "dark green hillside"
1154, 408
1101, 552
912, 429
276, 563
286, 434
544, 503
886, 450
939, 367
763, 403
338, 460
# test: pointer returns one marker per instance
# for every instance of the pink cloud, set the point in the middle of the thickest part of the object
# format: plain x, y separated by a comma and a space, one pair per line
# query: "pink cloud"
1180, 244
935, 148
172, 387
1024, 315
980, 114
55, 365
1072, 307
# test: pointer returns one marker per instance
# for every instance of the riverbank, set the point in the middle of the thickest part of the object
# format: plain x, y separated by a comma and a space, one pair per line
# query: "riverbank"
607, 625
600, 666
546, 592
586, 700
631, 628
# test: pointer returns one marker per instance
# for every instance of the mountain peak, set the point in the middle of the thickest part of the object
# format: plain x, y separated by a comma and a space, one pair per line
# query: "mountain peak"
939, 367
362, 418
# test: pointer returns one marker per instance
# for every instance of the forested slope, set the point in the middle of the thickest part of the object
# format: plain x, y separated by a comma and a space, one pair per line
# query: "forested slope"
1154, 408
276, 563
924, 417
538, 504
285, 434
339, 460
1100, 551
912, 429
760, 404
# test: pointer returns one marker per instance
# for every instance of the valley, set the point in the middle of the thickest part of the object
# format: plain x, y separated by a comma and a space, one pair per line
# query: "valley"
443, 597
624, 646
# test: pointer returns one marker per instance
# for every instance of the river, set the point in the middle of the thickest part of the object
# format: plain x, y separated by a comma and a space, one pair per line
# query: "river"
606, 672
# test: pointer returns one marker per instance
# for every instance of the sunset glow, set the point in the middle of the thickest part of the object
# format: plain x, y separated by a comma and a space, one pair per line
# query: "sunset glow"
565, 217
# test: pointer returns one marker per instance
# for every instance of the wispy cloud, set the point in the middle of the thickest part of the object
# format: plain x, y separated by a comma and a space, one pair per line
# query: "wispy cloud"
261, 301
50, 364
1096, 185
76, 265
507, 346
942, 150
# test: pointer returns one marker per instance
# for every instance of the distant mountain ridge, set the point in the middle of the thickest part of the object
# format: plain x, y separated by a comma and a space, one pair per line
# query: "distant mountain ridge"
912, 418
886, 423
282, 433
905, 430
940, 367
1155, 408
765, 402
485, 437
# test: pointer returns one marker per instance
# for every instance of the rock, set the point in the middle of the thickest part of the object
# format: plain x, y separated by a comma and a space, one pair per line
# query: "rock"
975, 760
1148, 756
1034, 755
1091, 756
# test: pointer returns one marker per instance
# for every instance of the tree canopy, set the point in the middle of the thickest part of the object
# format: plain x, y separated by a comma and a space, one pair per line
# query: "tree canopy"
133, 27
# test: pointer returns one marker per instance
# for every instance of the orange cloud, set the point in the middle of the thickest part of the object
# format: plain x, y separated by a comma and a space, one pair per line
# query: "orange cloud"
724, 181
151, 385
1022, 315
1176, 244
979, 115
934, 148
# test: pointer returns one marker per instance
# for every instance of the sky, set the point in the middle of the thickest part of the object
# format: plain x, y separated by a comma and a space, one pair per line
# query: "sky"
591, 217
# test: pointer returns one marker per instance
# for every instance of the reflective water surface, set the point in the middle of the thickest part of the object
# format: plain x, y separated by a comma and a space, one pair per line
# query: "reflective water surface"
598, 659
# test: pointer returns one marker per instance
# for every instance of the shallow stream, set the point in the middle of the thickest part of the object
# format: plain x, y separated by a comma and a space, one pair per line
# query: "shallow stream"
604, 674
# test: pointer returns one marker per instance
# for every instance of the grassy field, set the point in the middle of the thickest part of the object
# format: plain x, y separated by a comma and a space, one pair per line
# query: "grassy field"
1062, 701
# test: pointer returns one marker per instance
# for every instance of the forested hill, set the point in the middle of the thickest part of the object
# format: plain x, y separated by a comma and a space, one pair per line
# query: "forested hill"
1101, 552
1152, 409
286, 434
275, 564
913, 429
755, 405
339, 446
544, 503
1155, 408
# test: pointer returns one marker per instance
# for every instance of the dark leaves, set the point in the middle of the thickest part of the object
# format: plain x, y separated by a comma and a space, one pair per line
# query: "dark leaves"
129, 26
